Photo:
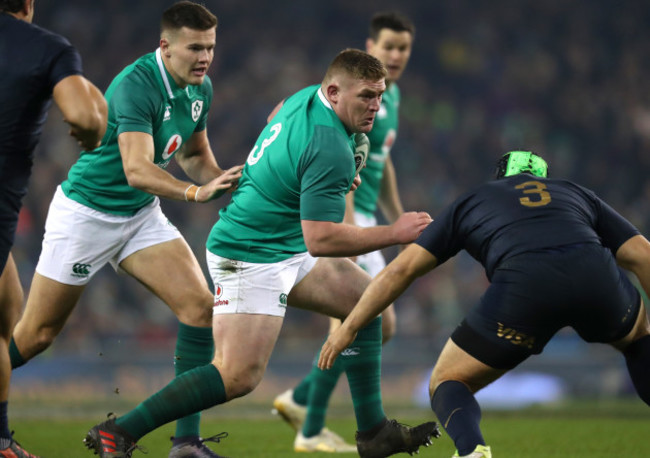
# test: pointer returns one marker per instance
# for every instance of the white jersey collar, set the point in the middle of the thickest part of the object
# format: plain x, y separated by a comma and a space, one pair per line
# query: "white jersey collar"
163, 73
324, 99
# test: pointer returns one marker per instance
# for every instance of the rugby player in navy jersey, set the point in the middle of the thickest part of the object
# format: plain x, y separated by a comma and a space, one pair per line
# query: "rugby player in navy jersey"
551, 250
36, 66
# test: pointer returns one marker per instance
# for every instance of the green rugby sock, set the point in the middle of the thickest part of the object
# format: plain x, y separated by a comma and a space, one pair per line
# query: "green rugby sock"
194, 348
15, 356
362, 363
193, 391
301, 391
322, 386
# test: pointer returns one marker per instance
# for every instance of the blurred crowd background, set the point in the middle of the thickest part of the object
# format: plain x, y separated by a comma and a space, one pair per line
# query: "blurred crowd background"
565, 78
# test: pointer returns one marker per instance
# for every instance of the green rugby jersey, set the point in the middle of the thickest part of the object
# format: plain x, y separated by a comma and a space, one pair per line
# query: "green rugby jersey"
301, 167
382, 137
142, 98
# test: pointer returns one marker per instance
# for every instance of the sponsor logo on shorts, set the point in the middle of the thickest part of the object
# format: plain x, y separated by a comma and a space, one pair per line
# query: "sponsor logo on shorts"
283, 300
515, 337
218, 292
81, 270
351, 351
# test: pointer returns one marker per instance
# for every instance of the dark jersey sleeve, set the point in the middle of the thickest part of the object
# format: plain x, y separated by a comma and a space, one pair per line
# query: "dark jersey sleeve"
613, 229
67, 63
443, 238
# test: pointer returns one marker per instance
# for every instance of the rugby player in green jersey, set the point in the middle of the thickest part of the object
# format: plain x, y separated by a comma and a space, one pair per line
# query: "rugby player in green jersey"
305, 407
108, 209
281, 242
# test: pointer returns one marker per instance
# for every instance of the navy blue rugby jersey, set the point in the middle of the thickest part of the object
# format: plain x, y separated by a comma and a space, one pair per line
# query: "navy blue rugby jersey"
32, 61
520, 214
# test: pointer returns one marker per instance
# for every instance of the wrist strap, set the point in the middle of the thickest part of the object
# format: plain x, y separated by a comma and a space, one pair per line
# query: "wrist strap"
192, 192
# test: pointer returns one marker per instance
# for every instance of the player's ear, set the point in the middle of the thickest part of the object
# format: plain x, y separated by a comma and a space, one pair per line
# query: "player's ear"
28, 10
164, 46
333, 90
369, 45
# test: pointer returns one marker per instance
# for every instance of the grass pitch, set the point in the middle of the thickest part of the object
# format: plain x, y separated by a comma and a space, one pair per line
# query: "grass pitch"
575, 430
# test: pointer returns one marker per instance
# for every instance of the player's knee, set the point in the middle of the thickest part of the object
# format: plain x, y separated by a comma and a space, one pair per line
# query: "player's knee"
38, 341
242, 382
197, 310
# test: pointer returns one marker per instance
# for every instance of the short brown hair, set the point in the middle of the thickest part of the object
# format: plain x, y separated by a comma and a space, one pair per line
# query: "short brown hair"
11, 6
187, 14
356, 63
391, 20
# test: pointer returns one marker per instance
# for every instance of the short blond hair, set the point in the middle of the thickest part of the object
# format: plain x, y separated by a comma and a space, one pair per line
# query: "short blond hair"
357, 64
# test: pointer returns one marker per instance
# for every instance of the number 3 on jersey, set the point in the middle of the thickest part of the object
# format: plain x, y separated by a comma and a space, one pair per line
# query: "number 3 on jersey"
255, 155
538, 190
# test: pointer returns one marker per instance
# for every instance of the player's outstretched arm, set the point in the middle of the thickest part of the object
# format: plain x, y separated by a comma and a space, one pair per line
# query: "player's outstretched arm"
84, 109
198, 162
137, 150
326, 238
634, 255
382, 291
389, 201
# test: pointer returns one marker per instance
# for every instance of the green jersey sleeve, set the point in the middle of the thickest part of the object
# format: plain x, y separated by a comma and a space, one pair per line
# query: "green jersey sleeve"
326, 171
135, 105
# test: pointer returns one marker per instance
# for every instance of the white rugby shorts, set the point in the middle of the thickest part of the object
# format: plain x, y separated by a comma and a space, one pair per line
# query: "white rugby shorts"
255, 288
374, 261
79, 240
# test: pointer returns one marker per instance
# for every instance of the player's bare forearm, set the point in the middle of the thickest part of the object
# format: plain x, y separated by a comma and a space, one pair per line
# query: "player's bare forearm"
634, 255
137, 151
384, 289
377, 297
389, 201
325, 238
84, 108
201, 167
197, 159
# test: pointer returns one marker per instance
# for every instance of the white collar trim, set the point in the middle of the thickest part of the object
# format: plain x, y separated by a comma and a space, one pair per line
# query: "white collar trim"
163, 73
324, 99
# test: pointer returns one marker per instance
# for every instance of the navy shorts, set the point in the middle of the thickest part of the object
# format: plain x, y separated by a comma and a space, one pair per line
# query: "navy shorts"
14, 177
533, 295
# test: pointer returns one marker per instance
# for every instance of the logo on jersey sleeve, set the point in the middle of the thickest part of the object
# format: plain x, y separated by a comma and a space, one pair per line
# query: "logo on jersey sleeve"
197, 108
173, 145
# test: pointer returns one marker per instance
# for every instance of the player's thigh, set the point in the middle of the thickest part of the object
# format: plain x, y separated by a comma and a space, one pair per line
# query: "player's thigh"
156, 254
49, 303
243, 345
170, 270
609, 309
454, 363
332, 287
